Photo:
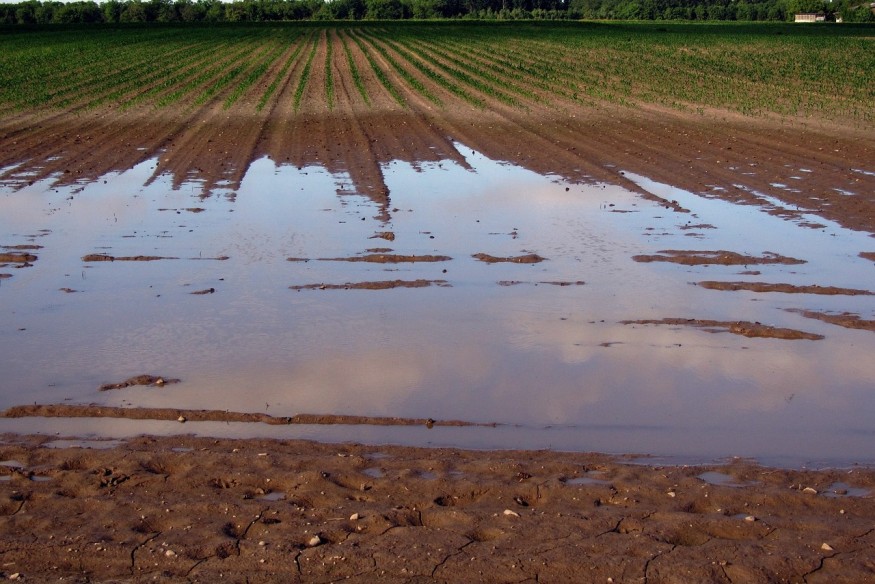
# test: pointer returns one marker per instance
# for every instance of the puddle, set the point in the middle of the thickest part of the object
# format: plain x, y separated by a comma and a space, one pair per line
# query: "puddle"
374, 473
551, 364
840, 490
274, 496
11, 464
720, 479
94, 444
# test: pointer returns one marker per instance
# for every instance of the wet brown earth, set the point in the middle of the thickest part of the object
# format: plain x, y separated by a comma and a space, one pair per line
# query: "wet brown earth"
199, 510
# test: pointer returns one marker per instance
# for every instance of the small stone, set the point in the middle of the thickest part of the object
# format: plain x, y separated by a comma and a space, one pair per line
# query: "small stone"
170, 554
181, 419
159, 382
750, 518
354, 517
510, 513
314, 541
262, 543
826, 547
809, 491
672, 494
15, 576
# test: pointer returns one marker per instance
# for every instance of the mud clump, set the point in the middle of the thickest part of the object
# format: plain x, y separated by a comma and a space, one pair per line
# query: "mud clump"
101, 257
847, 320
868, 255
203, 292
390, 258
740, 327
719, 257
378, 285
531, 258
17, 258
149, 380
387, 235
784, 288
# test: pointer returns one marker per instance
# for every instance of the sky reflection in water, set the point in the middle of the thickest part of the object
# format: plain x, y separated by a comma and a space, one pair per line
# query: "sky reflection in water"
550, 361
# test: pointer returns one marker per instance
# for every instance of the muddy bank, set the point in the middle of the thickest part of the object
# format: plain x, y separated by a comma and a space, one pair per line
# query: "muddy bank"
783, 288
844, 319
720, 257
187, 415
378, 285
743, 328
184, 508
530, 258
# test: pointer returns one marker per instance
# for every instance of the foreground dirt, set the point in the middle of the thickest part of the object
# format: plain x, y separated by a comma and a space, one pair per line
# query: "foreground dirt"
198, 510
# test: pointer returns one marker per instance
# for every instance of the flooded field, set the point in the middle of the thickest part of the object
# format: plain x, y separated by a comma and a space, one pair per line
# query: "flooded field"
559, 314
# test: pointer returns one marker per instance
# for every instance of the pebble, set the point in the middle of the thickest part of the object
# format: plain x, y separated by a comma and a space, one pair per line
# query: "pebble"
511, 513
672, 494
354, 517
809, 491
15, 576
180, 419
826, 547
170, 554
314, 541
750, 518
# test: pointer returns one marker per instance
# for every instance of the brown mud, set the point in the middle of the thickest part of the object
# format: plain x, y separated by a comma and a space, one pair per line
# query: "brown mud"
378, 285
783, 288
199, 510
150, 380
720, 257
530, 258
740, 327
382, 258
845, 319
188, 415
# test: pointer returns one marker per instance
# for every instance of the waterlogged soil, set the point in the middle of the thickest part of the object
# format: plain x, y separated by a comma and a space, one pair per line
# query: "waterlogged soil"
844, 319
782, 288
743, 328
180, 507
198, 510
721, 258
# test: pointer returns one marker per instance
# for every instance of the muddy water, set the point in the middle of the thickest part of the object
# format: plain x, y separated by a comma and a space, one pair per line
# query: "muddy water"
538, 348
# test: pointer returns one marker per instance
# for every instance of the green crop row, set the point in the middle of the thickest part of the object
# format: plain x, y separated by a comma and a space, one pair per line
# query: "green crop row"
753, 69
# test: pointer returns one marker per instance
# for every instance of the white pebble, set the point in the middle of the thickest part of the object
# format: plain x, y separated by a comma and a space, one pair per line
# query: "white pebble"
511, 513
826, 547
314, 541
354, 517
170, 554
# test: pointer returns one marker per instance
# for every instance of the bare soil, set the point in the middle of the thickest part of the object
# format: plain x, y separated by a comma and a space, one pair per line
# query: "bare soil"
377, 285
200, 510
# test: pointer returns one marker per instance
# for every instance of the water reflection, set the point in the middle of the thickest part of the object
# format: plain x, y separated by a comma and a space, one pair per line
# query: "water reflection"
551, 362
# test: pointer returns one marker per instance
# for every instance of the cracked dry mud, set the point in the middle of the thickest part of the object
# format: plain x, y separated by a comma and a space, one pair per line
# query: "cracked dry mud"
192, 509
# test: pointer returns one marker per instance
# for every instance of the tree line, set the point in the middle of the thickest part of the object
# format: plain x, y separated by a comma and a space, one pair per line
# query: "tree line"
123, 11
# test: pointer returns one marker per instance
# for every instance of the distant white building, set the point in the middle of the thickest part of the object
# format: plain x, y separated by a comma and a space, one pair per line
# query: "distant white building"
809, 17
